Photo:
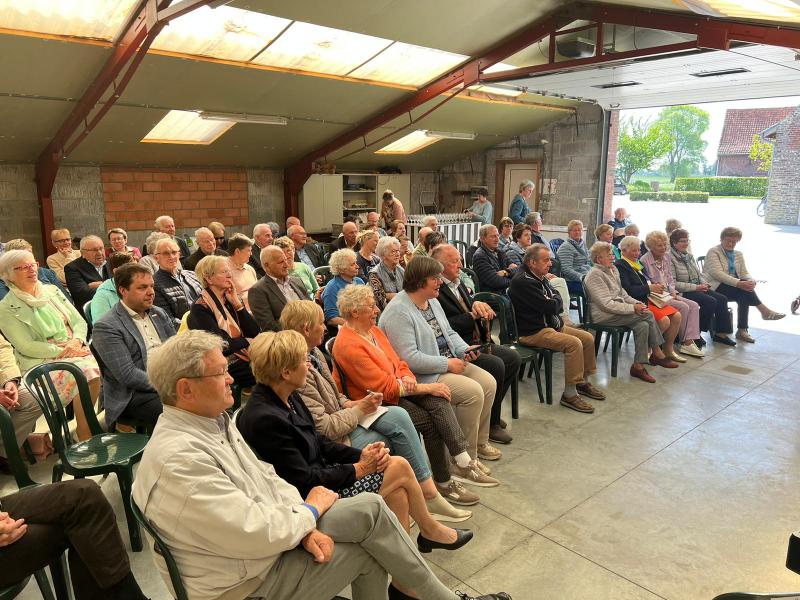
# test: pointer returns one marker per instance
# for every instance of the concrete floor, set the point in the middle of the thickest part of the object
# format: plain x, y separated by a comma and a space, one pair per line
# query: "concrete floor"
683, 490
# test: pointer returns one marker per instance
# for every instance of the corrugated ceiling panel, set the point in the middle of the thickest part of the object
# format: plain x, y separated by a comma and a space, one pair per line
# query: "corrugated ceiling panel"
408, 65
99, 19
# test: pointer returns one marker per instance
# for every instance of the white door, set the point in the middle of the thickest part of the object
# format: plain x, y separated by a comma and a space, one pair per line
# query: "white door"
516, 173
334, 198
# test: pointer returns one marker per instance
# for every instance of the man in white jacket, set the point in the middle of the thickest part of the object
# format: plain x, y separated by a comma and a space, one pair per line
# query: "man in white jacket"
237, 530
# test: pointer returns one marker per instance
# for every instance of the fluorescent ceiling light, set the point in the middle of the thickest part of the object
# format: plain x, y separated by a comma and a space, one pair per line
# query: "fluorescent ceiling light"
765, 10
243, 118
97, 19
496, 90
186, 127
408, 144
607, 86
450, 135
406, 64
721, 72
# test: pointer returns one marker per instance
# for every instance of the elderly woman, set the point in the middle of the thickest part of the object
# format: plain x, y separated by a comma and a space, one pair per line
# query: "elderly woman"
396, 229
506, 229
279, 427
46, 276
521, 239
221, 311
574, 257
433, 239
481, 210
106, 296
418, 330
366, 257
299, 269
387, 278
728, 275
658, 266
43, 326
392, 209
118, 240
244, 276
605, 233
693, 284
519, 208
636, 282
338, 418
406, 253
344, 267
149, 260
610, 304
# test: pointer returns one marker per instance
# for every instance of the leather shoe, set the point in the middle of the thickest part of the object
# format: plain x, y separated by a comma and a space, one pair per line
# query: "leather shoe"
497, 596
499, 435
5, 468
425, 545
665, 362
640, 372
723, 340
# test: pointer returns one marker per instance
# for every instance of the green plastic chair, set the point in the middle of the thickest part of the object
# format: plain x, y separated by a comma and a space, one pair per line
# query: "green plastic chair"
161, 548
474, 276
101, 454
14, 590
616, 332
342, 378
462, 249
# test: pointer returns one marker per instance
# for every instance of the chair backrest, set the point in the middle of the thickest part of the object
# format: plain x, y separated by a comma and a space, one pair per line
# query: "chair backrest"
339, 371
556, 268
587, 304
325, 272
462, 249
40, 383
555, 244
474, 276
18, 468
503, 307
701, 262
161, 548
87, 311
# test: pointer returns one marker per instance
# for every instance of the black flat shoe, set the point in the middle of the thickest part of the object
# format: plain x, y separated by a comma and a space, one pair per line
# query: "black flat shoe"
425, 545
395, 594
701, 342
722, 340
497, 596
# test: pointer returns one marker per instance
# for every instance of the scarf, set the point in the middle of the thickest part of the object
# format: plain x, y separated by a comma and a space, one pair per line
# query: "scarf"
636, 265
579, 246
47, 318
392, 282
691, 266
731, 262
227, 322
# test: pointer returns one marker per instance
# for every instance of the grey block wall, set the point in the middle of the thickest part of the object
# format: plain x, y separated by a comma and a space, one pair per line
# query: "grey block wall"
265, 196
78, 201
19, 208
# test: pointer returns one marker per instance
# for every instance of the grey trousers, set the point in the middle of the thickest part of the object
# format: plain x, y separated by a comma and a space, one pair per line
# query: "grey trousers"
368, 543
24, 417
646, 333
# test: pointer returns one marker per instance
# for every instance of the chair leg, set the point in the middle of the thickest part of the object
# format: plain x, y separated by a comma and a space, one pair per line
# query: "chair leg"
548, 376
615, 346
597, 336
515, 399
538, 381
44, 585
605, 346
26, 447
125, 479
59, 571
58, 472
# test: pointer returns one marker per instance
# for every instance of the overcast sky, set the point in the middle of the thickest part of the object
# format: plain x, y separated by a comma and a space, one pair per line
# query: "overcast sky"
716, 111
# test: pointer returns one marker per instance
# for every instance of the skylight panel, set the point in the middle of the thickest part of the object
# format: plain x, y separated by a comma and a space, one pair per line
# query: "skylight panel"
224, 32
97, 19
765, 10
186, 127
406, 64
318, 49
408, 144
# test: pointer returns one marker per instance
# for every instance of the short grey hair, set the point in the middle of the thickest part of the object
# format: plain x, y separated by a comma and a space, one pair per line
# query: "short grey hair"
161, 241
532, 252
352, 297
274, 228
265, 252
485, 229
428, 219
532, 217
630, 229
526, 183
629, 241
150, 241
157, 222
207, 267
599, 248
181, 356
339, 259
91, 238
385, 244
259, 227
9, 260
203, 230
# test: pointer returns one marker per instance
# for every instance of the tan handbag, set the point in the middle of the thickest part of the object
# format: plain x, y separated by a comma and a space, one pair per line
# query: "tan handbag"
41, 445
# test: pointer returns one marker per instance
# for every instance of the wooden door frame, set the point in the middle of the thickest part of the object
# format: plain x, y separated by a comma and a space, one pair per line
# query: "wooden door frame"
500, 176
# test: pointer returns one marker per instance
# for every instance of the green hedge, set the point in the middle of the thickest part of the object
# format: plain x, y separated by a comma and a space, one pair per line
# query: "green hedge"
669, 196
639, 185
724, 186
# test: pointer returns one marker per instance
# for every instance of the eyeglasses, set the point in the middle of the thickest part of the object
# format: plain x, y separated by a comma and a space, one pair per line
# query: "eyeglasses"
219, 238
222, 374
170, 253
27, 267
62, 241
100, 249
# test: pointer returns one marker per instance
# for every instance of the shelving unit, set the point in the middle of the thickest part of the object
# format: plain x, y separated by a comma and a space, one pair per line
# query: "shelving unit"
359, 194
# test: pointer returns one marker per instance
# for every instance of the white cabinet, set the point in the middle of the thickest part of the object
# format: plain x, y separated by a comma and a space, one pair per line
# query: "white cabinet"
400, 184
321, 203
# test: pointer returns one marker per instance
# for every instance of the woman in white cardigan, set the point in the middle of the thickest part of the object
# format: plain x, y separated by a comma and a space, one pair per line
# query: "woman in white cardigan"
727, 274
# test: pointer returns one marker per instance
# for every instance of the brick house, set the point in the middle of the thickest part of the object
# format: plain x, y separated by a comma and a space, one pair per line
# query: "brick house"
741, 124
783, 193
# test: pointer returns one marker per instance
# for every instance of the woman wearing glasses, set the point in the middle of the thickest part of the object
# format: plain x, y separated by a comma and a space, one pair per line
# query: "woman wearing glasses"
43, 326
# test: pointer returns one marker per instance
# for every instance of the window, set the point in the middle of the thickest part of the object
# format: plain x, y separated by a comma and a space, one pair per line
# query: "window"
186, 127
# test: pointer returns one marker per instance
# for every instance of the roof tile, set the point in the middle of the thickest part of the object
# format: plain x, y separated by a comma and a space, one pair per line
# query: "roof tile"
741, 124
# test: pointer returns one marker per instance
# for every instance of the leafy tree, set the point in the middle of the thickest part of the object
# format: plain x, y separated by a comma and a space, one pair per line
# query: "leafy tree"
684, 127
640, 144
761, 154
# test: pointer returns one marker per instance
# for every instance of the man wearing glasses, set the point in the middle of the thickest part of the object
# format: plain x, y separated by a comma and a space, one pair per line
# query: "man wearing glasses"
64, 254
86, 273
176, 288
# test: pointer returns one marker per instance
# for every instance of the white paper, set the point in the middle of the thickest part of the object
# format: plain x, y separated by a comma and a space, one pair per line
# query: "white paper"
367, 420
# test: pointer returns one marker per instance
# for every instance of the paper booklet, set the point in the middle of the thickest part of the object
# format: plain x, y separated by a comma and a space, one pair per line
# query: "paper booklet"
367, 420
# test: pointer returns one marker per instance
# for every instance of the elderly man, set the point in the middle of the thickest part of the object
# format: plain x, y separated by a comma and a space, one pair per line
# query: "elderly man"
273, 291
304, 252
471, 320
206, 246
165, 224
263, 237
87, 273
176, 289
291, 221
64, 254
430, 221
123, 339
534, 219
493, 268
372, 224
16, 400
619, 222
236, 529
422, 235
538, 308
349, 238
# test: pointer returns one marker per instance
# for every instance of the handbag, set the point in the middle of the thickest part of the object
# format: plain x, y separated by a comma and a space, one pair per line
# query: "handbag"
41, 445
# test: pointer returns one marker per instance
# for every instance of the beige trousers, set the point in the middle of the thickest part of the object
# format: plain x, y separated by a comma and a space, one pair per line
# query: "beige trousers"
472, 394
577, 346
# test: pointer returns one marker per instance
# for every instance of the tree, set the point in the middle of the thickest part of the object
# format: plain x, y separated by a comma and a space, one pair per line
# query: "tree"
761, 154
684, 127
640, 145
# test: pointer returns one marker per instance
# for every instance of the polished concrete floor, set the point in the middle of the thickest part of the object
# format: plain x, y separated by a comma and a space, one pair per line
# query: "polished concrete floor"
682, 490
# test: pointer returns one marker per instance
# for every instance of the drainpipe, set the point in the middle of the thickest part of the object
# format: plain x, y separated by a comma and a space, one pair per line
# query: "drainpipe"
601, 194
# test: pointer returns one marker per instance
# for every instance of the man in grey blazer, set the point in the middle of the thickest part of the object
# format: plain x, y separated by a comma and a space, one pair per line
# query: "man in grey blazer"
273, 291
121, 340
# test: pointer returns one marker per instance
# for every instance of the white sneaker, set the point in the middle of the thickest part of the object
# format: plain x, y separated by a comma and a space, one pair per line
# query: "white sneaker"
442, 510
691, 350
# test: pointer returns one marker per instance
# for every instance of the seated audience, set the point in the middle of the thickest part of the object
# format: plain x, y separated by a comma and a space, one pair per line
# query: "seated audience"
274, 228
620, 221
221, 311
165, 224
38, 524
45, 275
218, 229
636, 282
610, 304
123, 339
271, 293
367, 362
727, 274
298, 269
291, 222
633, 231
17, 400
605, 233
366, 257
344, 267
519, 208
337, 417
43, 326
693, 284
520, 240
118, 242
386, 278
506, 227
86, 274
348, 239
396, 229
406, 253
372, 223
491, 264
304, 252
206, 246
392, 209
472, 321
106, 296
481, 210
658, 266
240, 248
538, 307
176, 289
263, 237
422, 234
419, 332
672, 225
280, 429
433, 239
64, 254
218, 507
574, 257
534, 220
148, 261
431, 221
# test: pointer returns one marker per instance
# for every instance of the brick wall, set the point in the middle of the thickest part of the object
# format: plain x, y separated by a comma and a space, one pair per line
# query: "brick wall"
732, 165
783, 193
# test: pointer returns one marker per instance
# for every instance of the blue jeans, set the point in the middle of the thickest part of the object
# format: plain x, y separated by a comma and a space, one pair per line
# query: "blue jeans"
396, 430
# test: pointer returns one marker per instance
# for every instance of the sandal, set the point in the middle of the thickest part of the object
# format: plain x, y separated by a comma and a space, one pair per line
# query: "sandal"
773, 316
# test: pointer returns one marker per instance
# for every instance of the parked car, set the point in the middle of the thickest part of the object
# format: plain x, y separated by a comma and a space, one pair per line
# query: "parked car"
620, 188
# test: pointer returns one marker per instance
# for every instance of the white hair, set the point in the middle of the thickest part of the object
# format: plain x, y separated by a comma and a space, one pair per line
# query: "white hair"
485, 229
428, 219
526, 183
9, 260
257, 229
629, 241
158, 220
262, 256
385, 244
161, 241
150, 242
91, 238
340, 259
203, 230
